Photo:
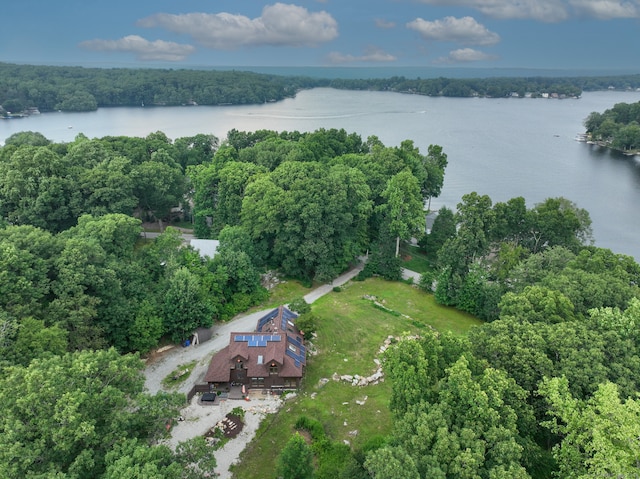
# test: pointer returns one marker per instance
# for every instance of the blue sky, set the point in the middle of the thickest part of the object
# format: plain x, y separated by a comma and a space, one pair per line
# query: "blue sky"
542, 34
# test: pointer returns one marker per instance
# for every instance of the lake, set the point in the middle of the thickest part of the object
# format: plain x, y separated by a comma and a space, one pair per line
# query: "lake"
499, 147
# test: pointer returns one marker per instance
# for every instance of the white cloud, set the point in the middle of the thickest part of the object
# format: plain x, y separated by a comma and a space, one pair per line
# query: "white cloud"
606, 9
371, 55
549, 10
459, 30
381, 23
543, 10
465, 55
279, 24
145, 50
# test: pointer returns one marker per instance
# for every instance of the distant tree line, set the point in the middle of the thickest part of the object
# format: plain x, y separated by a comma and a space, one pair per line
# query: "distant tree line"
617, 127
51, 88
470, 87
494, 87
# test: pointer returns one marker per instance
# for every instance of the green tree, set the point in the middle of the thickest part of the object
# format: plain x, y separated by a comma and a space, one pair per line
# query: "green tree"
444, 227
559, 222
158, 185
34, 340
435, 163
599, 435
146, 329
82, 276
37, 188
195, 150
295, 460
115, 233
470, 429
512, 221
307, 218
537, 304
195, 458
185, 305
391, 463
413, 377
233, 179
403, 208
27, 138
62, 415
24, 280
108, 187
517, 347
134, 459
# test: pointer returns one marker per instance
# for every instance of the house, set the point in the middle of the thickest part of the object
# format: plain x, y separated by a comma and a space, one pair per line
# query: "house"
271, 357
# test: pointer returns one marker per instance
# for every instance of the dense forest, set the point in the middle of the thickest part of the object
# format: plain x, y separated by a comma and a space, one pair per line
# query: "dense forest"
547, 385
24, 88
617, 127
84, 89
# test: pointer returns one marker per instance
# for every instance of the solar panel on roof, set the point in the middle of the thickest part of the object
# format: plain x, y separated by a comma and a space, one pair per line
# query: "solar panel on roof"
257, 340
266, 319
297, 358
294, 341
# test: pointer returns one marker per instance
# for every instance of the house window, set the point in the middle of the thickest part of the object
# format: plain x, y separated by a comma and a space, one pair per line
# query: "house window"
239, 364
273, 369
257, 382
290, 383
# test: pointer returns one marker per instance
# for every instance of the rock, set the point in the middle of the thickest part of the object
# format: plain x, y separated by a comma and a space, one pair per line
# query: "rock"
323, 381
353, 433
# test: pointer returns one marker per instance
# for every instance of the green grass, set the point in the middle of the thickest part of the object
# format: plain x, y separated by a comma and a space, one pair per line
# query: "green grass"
283, 293
179, 375
350, 332
414, 259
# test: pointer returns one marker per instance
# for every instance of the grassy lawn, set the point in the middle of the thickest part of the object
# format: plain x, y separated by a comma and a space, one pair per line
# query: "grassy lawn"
414, 259
179, 375
284, 293
350, 332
